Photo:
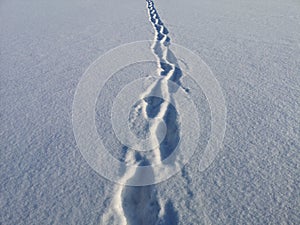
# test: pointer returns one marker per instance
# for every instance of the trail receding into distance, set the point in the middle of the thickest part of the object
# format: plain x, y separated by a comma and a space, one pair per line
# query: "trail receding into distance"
140, 205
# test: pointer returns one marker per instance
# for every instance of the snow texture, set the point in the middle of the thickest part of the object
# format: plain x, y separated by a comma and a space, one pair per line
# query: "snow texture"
253, 49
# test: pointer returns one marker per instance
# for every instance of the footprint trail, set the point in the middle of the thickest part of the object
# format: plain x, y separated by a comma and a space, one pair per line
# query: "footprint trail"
140, 205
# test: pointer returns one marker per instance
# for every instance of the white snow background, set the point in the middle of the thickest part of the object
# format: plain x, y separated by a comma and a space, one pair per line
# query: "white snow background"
253, 49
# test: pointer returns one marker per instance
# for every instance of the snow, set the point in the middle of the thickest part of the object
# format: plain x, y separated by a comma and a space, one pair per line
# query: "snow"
252, 48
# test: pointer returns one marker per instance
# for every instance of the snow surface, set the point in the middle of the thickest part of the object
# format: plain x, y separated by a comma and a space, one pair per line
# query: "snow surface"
253, 50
